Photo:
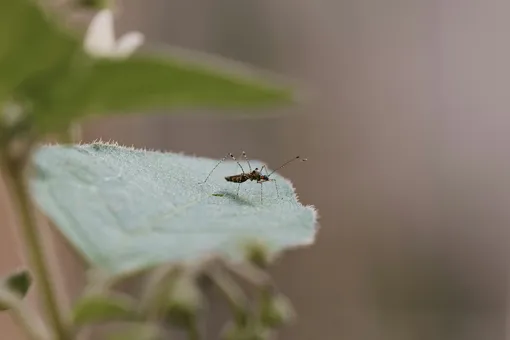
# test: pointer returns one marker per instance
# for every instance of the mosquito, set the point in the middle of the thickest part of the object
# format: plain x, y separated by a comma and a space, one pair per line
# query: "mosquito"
253, 175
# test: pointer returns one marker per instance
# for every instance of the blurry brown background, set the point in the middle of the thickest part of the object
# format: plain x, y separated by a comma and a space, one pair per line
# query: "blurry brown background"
407, 141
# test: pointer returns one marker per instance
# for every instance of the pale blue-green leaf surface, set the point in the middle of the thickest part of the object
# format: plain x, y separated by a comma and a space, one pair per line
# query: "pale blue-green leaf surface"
126, 209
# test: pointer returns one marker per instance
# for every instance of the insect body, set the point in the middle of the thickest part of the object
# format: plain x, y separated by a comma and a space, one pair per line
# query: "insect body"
238, 178
252, 175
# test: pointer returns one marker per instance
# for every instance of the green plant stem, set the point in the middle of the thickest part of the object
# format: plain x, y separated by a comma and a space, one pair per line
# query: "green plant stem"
193, 333
34, 328
158, 284
35, 249
233, 294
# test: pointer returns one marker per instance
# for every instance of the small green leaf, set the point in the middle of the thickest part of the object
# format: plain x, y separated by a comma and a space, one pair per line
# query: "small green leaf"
17, 283
127, 209
276, 310
257, 253
101, 308
113, 86
30, 43
136, 332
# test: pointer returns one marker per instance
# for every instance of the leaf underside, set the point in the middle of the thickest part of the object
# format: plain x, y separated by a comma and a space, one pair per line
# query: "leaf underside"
127, 210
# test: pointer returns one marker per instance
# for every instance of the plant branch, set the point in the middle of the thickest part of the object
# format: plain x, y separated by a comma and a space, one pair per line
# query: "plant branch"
31, 323
15, 171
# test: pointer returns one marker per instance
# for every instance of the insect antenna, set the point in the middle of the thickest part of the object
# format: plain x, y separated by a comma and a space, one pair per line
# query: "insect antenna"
210, 173
221, 161
286, 163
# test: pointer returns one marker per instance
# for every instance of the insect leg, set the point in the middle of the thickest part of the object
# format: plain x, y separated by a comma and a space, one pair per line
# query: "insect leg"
221, 161
235, 160
272, 180
247, 161
210, 173
261, 193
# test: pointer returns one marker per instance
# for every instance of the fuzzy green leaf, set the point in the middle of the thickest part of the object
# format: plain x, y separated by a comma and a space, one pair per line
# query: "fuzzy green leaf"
102, 308
128, 209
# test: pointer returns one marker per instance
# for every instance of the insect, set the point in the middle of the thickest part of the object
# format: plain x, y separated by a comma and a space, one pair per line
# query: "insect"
253, 175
